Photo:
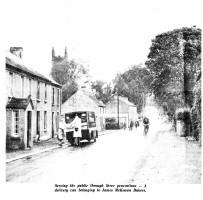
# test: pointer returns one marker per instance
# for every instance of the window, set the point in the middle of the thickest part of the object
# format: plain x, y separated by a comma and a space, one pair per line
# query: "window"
58, 97
52, 96
91, 117
22, 86
45, 120
57, 122
16, 122
38, 90
11, 83
45, 92
30, 86
92, 120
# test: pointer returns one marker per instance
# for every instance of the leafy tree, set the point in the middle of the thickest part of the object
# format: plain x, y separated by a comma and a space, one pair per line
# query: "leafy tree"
134, 84
174, 62
103, 90
67, 73
69, 89
120, 86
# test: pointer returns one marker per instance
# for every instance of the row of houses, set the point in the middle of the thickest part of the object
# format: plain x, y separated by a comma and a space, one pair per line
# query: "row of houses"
34, 104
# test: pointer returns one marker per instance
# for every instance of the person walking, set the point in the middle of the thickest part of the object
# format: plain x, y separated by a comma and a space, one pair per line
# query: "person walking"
146, 125
61, 132
131, 125
136, 124
77, 134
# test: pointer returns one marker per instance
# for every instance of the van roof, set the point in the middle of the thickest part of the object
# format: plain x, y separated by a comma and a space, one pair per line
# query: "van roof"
79, 112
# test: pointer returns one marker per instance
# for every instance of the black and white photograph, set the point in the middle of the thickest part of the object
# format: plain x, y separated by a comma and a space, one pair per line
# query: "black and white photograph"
101, 98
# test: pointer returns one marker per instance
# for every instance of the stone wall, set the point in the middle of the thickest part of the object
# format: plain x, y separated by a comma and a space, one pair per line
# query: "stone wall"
15, 141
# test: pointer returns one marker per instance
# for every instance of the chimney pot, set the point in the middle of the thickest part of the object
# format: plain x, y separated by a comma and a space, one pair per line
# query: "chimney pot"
16, 51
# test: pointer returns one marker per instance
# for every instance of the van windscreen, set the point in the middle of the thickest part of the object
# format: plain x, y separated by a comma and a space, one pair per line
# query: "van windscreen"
69, 117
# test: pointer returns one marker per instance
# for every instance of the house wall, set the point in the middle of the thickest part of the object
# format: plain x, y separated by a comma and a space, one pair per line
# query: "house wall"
126, 112
16, 88
11, 141
112, 107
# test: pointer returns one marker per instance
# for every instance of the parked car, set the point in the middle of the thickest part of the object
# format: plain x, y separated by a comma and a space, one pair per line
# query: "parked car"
111, 123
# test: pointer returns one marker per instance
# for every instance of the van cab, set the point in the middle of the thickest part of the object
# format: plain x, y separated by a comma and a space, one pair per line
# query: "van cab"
88, 129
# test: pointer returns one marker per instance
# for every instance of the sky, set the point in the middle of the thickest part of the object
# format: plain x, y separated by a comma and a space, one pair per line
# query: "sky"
108, 36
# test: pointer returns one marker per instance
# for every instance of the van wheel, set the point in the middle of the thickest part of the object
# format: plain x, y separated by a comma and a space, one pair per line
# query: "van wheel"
95, 139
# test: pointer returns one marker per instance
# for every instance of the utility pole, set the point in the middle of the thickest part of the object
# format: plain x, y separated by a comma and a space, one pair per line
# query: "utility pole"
118, 108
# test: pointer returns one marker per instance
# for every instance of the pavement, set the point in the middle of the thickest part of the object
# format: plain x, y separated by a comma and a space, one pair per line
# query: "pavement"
40, 147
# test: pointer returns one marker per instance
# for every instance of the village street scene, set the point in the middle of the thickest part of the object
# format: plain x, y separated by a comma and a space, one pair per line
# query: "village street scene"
128, 122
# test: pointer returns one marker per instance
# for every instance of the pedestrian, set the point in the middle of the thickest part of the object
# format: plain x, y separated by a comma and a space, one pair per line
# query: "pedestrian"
38, 137
146, 125
77, 134
131, 125
61, 132
136, 124
124, 125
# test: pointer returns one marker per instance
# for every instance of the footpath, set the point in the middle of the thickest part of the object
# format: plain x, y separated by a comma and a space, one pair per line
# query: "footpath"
40, 147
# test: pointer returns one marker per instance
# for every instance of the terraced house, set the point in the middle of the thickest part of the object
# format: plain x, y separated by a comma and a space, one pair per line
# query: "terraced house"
33, 104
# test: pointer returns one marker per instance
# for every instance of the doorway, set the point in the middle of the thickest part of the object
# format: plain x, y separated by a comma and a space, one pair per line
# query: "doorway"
29, 128
38, 125
52, 125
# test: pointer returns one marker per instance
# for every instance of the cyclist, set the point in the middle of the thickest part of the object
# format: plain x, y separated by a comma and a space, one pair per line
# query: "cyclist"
146, 125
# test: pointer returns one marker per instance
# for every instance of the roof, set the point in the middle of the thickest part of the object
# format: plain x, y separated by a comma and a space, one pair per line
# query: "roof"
19, 103
87, 95
100, 103
123, 99
80, 111
18, 64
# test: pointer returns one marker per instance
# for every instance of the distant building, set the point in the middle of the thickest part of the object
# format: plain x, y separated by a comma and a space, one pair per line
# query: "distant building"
127, 110
84, 100
33, 104
59, 60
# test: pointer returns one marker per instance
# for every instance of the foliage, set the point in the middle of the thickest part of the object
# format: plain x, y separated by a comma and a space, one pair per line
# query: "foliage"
103, 91
134, 84
67, 73
68, 90
196, 111
173, 61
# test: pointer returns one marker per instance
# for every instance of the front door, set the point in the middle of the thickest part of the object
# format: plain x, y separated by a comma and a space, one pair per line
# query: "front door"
38, 124
29, 128
52, 125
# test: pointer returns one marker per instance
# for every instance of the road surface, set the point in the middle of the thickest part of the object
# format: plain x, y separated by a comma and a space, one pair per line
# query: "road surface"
121, 156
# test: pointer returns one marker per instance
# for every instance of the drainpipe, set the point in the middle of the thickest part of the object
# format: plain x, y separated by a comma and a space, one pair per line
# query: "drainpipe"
118, 109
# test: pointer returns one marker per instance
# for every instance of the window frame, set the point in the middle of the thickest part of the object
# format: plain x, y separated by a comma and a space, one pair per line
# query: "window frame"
53, 95
30, 87
11, 83
22, 85
45, 92
16, 122
38, 90
58, 97
45, 120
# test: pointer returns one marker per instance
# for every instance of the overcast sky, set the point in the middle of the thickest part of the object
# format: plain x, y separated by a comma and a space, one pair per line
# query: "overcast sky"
107, 35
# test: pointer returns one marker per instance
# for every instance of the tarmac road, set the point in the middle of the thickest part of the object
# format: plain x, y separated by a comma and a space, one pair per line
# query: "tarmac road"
118, 157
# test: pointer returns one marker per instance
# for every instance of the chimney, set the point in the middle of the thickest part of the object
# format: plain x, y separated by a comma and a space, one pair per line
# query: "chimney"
16, 51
